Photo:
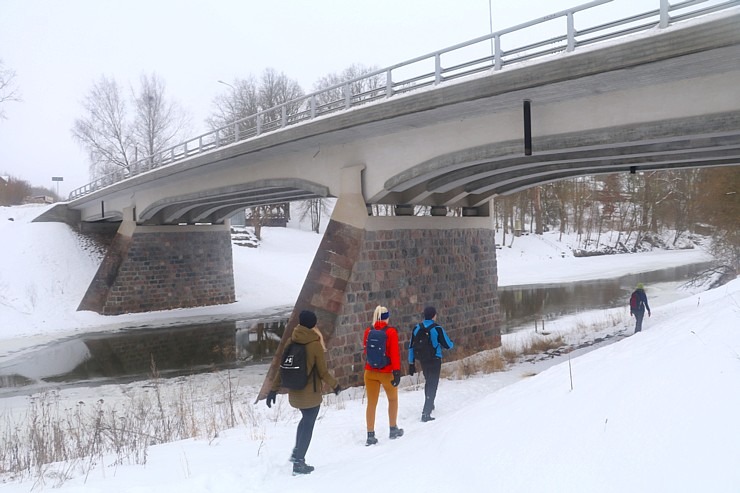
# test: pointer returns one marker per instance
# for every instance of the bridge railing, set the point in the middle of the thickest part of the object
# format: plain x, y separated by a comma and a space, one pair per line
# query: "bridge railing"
482, 54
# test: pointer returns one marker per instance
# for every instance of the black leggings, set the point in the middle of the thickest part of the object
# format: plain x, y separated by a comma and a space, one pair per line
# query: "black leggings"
305, 432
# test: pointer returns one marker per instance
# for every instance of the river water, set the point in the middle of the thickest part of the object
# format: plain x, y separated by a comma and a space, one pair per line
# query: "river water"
137, 354
521, 306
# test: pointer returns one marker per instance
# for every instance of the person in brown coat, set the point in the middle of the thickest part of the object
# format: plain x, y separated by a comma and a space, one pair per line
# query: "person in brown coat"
308, 399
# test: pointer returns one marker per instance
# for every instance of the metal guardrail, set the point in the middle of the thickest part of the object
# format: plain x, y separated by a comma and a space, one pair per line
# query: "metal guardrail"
423, 71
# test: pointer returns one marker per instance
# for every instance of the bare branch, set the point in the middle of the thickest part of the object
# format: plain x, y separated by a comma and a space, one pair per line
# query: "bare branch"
103, 131
158, 123
8, 89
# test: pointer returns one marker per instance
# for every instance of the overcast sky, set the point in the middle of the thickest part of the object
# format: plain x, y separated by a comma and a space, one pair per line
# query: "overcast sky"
59, 48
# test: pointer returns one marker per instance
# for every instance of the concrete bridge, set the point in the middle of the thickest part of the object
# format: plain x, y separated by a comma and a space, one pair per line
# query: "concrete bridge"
592, 101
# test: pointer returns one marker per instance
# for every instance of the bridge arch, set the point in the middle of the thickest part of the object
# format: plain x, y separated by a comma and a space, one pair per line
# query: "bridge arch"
216, 205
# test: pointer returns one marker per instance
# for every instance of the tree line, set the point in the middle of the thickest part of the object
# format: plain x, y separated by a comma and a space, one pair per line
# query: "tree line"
623, 212
14, 191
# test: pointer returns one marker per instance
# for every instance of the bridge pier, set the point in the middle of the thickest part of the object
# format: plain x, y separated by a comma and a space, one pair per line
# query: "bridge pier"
150, 268
404, 263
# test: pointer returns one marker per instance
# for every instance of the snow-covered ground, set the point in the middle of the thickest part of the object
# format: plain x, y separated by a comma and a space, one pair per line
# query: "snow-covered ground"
656, 411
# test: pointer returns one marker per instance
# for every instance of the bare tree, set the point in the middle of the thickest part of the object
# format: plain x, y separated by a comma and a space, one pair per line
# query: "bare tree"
365, 88
718, 205
158, 123
277, 89
238, 103
13, 190
113, 138
248, 97
8, 89
104, 131
314, 209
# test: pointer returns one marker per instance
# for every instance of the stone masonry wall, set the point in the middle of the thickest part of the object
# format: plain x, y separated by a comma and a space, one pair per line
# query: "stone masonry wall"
406, 270
163, 270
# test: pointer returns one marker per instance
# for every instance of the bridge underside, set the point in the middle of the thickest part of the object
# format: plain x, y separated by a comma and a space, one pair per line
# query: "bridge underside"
471, 177
215, 206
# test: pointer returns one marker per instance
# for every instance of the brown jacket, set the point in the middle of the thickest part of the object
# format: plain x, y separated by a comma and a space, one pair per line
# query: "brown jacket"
307, 397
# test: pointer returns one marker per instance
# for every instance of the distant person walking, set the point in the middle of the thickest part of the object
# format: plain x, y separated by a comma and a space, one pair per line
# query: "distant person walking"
638, 305
427, 340
308, 398
382, 367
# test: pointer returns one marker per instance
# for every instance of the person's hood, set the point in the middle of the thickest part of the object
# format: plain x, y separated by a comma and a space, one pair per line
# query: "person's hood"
302, 335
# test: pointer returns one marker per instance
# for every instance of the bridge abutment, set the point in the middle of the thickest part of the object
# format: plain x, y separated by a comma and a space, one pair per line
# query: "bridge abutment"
404, 263
150, 268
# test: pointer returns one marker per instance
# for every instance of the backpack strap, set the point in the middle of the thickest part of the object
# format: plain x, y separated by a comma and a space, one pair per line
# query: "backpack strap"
433, 326
413, 331
311, 372
422, 327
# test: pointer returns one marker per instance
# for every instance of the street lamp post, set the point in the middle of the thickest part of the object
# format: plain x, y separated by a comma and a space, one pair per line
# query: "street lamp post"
226, 84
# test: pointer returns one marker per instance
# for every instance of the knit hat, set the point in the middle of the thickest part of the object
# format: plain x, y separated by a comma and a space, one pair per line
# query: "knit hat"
307, 318
429, 312
640, 285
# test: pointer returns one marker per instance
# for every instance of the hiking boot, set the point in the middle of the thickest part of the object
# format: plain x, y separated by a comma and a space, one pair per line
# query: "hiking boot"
293, 457
300, 467
396, 432
371, 440
426, 417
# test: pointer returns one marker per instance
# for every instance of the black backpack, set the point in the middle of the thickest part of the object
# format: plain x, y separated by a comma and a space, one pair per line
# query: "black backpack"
375, 348
422, 344
294, 367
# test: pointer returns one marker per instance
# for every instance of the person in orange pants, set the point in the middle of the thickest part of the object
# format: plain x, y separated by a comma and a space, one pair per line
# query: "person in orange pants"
382, 368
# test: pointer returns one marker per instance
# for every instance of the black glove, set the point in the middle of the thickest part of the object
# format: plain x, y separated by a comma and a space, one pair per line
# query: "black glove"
396, 378
337, 389
412, 369
271, 398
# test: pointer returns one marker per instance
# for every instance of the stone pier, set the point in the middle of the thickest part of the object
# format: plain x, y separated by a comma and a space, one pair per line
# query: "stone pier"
150, 268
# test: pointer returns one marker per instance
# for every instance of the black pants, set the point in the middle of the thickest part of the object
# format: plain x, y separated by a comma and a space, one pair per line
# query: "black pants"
305, 432
639, 315
432, 370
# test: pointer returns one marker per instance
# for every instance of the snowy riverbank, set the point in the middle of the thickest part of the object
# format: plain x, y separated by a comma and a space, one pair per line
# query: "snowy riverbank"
45, 269
630, 416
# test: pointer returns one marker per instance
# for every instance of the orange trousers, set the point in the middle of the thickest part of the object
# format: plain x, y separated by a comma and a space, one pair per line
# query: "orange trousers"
373, 381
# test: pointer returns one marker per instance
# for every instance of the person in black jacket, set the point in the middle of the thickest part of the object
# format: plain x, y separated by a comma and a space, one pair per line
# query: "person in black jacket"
638, 305
431, 359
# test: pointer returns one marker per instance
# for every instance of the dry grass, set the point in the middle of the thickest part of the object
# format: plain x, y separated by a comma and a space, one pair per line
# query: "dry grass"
540, 344
83, 436
501, 358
